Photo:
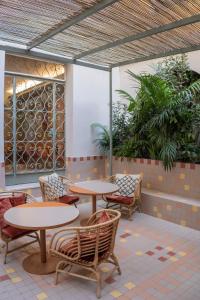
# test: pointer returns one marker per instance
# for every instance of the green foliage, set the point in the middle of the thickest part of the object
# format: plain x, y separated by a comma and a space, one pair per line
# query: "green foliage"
120, 129
163, 120
103, 137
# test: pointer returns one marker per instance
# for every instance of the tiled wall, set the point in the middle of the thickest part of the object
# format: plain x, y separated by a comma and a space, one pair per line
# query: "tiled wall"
183, 179
173, 196
85, 168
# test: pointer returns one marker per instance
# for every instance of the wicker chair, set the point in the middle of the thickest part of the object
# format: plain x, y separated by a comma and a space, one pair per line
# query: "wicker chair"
128, 198
58, 192
87, 247
10, 233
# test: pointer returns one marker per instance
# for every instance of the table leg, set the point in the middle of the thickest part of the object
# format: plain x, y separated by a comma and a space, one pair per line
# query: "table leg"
84, 221
94, 204
40, 263
43, 250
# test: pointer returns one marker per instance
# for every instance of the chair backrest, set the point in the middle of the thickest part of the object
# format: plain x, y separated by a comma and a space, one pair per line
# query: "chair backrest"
89, 243
52, 187
128, 184
10, 199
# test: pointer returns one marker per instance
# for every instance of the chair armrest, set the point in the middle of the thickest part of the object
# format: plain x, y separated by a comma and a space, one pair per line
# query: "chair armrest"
64, 237
110, 178
66, 180
29, 197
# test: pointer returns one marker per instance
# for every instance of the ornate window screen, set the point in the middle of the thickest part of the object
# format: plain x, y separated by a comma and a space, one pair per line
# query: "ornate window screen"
34, 125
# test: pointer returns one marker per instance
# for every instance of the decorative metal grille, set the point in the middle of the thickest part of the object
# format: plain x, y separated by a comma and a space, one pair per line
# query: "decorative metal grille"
34, 125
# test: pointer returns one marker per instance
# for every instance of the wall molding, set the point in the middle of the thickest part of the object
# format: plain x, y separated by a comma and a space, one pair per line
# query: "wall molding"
181, 165
84, 158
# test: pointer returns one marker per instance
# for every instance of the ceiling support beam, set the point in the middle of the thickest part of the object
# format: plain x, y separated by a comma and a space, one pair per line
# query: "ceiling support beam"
49, 57
159, 55
59, 28
135, 37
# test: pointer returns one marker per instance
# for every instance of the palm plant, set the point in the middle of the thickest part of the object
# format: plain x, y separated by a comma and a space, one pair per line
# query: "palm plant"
120, 129
103, 137
163, 120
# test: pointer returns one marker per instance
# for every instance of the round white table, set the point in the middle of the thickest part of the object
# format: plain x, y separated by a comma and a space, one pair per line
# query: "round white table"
93, 188
41, 216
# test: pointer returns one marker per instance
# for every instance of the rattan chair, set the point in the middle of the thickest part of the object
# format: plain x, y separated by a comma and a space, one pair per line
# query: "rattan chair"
126, 204
50, 193
10, 233
87, 247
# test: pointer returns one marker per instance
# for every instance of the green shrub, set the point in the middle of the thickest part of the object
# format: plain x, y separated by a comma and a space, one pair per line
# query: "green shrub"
163, 119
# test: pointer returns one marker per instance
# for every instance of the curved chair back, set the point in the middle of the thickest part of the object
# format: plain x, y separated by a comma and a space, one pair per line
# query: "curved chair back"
48, 193
89, 244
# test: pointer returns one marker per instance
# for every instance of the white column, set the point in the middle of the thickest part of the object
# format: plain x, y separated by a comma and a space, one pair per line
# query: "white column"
2, 168
69, 118
86, 102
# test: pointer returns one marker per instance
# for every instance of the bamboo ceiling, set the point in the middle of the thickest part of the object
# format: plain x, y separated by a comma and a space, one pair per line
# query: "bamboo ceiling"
98, 37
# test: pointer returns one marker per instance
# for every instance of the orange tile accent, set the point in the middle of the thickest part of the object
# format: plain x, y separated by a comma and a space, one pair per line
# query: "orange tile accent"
160, 178
182, 176
186, 187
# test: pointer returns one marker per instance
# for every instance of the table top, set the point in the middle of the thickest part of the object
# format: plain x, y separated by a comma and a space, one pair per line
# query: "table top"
93, 187
38, 216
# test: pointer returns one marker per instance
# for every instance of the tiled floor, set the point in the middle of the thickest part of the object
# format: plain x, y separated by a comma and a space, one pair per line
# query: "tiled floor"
159, 260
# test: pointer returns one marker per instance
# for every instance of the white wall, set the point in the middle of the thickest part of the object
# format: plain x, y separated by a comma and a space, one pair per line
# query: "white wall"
2, 65
87, 102
148, 66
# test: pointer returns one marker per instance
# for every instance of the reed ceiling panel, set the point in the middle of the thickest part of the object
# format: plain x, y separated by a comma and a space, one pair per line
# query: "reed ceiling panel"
23, 21
186, 36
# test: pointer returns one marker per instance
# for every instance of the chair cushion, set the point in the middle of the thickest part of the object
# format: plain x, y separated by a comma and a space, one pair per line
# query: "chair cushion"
87, 245
68, 199
120, 199
88, 241
126, 183
56, 184
18, 199
13, 232
104, 217
5, 204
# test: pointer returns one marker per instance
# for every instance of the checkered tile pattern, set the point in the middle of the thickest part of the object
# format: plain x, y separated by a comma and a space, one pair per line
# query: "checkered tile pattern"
159, 260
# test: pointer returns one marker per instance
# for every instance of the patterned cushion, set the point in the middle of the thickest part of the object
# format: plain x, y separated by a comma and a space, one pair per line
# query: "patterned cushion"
58, 187
68, 199
18, 199
4, 206
120, 199
126, 183
13, 232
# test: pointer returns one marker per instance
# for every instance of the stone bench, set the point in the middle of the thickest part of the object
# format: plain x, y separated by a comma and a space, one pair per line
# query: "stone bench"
173, 208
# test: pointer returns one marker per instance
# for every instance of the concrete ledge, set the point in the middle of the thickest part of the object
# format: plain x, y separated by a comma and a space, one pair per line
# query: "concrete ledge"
31, 188
176, 209
22, 186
